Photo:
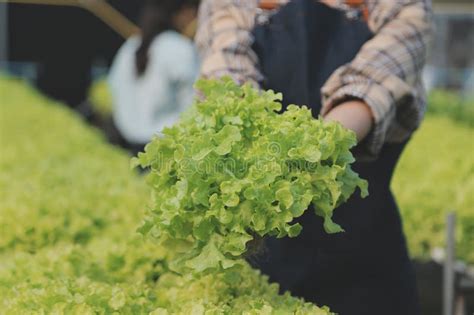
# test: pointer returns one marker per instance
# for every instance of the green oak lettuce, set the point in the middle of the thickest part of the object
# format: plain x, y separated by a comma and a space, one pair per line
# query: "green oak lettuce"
233, 169
72, 279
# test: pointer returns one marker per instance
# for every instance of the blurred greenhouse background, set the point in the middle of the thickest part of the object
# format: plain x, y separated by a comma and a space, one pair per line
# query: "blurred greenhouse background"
450, 65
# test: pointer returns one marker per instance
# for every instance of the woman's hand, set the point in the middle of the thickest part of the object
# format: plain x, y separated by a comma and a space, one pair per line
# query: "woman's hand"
355, 115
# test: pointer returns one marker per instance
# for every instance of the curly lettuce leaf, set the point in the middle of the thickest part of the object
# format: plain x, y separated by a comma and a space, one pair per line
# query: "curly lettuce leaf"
234, 168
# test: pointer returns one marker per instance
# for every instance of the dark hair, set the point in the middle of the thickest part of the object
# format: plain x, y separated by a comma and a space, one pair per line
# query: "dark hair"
156, 17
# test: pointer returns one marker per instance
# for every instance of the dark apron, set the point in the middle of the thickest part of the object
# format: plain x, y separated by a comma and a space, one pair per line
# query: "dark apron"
365, 270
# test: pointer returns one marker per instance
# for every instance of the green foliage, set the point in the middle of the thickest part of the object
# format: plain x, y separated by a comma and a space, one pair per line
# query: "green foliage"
100, 278
450, 104
68, 214
234, 168
101, 98
59, 181
186, 295
436, 175
72, 279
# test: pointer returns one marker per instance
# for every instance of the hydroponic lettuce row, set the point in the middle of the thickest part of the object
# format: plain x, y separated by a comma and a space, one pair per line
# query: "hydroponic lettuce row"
427, 191
233, 169
73, 279
68, 214
59, 181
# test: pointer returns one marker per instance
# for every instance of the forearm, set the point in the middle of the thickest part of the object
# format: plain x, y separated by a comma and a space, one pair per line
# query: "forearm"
354, 115
385, 74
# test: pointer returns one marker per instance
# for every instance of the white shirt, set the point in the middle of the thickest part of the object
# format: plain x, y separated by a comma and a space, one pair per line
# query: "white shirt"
145, 104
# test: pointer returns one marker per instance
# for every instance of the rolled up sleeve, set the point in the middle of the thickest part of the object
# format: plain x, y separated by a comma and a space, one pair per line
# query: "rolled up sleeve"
386, 73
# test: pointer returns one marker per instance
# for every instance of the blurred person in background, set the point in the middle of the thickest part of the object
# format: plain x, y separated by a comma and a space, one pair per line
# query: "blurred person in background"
151, 78
358, 63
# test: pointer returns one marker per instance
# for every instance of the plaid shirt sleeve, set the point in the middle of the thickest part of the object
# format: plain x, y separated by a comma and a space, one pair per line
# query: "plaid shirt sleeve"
224, 39
386, 73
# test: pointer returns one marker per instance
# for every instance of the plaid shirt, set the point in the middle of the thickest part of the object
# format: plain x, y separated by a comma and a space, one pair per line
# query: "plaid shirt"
386, 73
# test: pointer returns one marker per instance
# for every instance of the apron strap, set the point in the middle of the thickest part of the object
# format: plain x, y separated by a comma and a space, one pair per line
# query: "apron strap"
301, 45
